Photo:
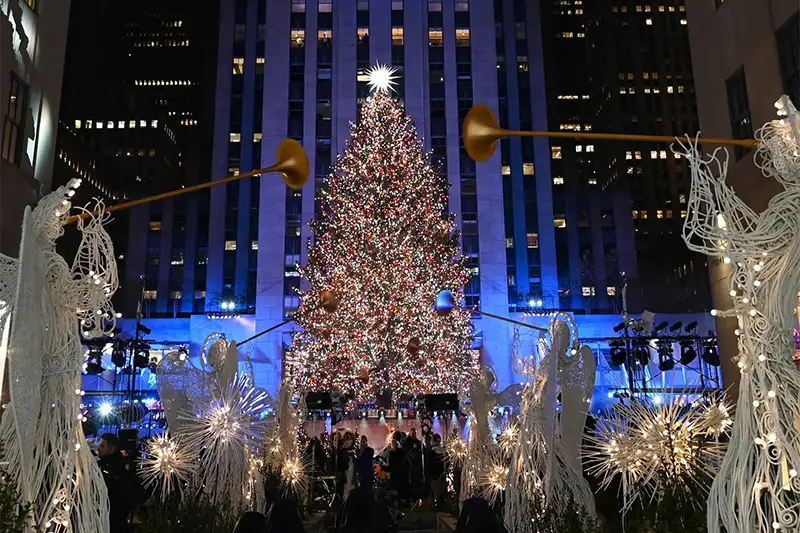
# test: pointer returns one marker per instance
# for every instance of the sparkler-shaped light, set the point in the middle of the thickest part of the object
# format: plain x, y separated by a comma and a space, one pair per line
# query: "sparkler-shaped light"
167, 465
456, 449
495, 479
294, 480
508, 438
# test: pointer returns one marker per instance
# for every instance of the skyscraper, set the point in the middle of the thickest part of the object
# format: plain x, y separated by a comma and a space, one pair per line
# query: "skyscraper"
32, 39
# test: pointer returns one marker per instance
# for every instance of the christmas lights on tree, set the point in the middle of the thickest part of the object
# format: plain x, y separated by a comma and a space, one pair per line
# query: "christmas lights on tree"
385, 250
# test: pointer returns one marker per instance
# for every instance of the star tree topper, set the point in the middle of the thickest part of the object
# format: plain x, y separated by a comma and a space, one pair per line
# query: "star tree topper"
381, 78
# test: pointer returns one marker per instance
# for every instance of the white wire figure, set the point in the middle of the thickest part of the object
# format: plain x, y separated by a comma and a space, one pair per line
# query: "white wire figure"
757, 486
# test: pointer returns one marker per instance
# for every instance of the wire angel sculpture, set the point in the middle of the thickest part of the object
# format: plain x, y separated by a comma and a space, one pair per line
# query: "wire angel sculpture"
546, 465
757, 486
214, 407
51, 304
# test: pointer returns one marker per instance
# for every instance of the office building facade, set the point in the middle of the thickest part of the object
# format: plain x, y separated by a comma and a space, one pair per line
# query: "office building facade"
745, 55
33, 35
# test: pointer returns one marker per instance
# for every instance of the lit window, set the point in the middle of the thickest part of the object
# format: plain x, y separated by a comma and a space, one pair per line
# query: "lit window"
153, 123
230, 245
325, 6
683, 213
656, 90
152, 152
570, 127
587, 291
150, 295
566, 35
631, 90
257, 137
628, 155
435, 37
238, 65
254, 245
659, 213
397, 36
298, 39
660, 9
592, 181
635, 214
672, 9
110, 124
397, 5
199, 294
89, 124
579, 148
509, 242
644, 213
560, 222
653, 154
236, 137
462, 37
590, 148
533, 240
176, 295
680, 88
623, 90
362, 33
527, 169
505, 170
649, 22
233, 171
611, 291
662, 154
647, 90
555, 152
647, 9
155, 226
682, 198
683, 22
77, 124
434, 5
259, 60
142, 123
669, 213
638, 9
132, 124
298, 6
324, 36
638, 154
670, 89
462, 5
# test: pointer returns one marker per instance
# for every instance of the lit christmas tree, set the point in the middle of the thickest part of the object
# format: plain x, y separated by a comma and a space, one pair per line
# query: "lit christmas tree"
384, 249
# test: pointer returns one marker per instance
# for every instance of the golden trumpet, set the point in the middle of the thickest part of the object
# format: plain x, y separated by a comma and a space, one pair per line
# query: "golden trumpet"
291, 163
481, 133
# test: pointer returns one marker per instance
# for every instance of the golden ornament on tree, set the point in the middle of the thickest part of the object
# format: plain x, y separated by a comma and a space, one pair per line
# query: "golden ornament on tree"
329, 302
363, 374
413, 345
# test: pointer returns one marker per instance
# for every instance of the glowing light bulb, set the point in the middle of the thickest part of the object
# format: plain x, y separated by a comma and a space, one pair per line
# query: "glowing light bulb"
762, 357
753, 312
792, 473
714, 312
771, 394
726, 260
733, 292
745, 300
757, 283
756, 403
757, 267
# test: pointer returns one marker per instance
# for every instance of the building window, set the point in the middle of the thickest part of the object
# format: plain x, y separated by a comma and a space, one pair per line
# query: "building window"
558, 180
533, 240
230, 246
325, 6
257, 137
155, 225
199, 295
254, 245
77, 124
587, 291
528, 169
435, 37
324, 36
555, 152
132, 124
739, 109
298, 38
236, 137
462, 5
789, 56
462, 37
238, 65
505, 170
509, 242
298, 6
560, 223
659, 213
150, 295
14, 127
397, 36
397, 5
590, 148
176, 295
611, 291
434, 5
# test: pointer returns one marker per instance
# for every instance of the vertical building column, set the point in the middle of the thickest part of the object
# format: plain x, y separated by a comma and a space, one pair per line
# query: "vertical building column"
309, 127
453, 169
492, 242
165, 257
345, 108
272, 215
190, 253
135, 254
380, 32
415, 35
626, 245
246, 157
219, 158
541, 152
600, 274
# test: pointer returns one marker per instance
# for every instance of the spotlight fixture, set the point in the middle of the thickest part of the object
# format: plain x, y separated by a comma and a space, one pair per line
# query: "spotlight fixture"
141, 358
94, 362
688, 353
690, 327
641, 352
665, 360
619, 327
144, 329
617, 353
660, 327
118, 356
676, 326
711, 352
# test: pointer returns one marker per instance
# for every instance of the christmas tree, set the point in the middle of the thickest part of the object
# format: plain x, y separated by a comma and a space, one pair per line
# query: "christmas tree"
385, 250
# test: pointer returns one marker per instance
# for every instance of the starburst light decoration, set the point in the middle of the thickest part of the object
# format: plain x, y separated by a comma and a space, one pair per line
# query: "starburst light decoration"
167, 466
655, 448
507, 440
384, 249
755, 490
294, 477
495, 478
225, 430
456, 449
381, 78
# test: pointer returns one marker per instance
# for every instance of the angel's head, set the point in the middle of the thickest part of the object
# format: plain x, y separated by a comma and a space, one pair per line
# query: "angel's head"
778, 153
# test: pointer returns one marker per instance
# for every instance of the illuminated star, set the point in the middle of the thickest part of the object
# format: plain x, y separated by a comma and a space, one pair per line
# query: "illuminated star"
381, 78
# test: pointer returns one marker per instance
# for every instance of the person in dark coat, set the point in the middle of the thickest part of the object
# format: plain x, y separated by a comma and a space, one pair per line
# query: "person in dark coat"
346, 466
365, 467
398, 471
413, 448
120, 482
284, 517
251, 522
363, 512
435, 469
